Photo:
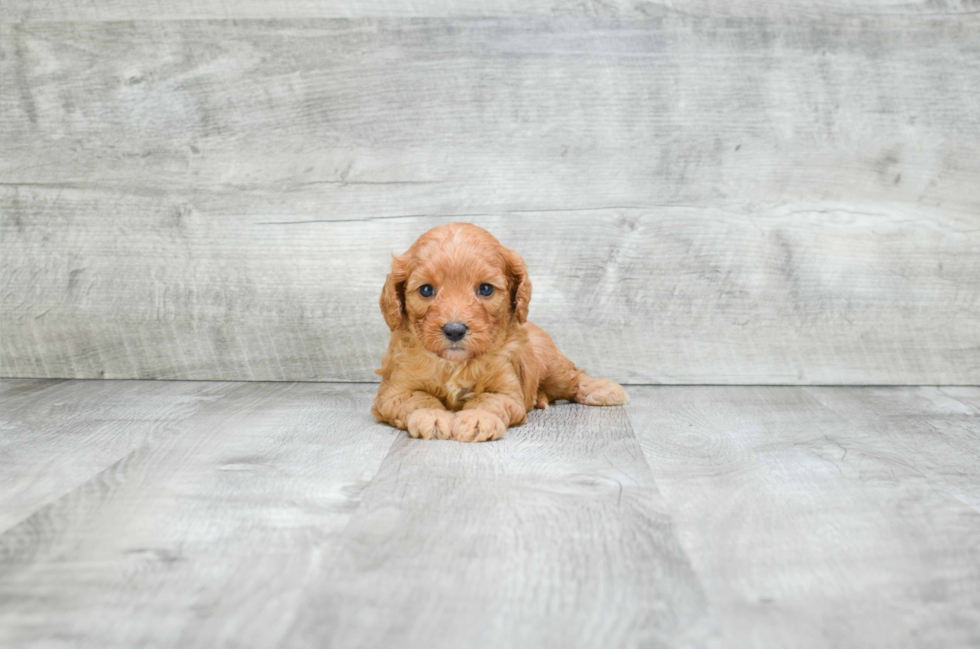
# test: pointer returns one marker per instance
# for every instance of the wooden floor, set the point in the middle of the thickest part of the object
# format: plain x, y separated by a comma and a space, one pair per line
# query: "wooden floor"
194, 514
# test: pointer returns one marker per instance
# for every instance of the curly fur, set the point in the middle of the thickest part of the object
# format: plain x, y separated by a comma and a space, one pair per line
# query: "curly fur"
504, 367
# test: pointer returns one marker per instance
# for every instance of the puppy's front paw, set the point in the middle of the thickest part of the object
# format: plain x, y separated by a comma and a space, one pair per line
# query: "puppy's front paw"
477, 426
600, 392
430, 423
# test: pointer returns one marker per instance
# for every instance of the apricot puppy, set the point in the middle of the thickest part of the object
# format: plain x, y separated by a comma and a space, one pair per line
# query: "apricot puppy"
463, 363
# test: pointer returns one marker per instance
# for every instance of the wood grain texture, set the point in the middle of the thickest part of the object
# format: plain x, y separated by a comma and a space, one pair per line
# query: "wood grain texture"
676, 295
99, 10
552, 537
55, 436
929, 431
725, 200
202, 537
277, 514
817, 517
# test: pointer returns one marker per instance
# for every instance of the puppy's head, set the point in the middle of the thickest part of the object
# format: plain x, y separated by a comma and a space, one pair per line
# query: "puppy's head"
458, 290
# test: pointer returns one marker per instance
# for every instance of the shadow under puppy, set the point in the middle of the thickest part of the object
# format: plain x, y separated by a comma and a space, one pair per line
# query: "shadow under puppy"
463, 363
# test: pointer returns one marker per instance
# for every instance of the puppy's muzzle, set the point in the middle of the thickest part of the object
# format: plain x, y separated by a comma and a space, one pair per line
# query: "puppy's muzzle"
454, 331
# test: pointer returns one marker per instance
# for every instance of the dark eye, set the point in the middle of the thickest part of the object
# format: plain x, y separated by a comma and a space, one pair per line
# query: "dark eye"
427, 290
485, 290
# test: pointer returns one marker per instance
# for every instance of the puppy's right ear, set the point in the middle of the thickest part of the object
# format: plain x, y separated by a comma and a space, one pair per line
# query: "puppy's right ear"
393, 293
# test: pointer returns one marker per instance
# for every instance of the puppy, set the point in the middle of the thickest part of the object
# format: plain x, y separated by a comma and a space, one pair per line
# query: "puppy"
463, 363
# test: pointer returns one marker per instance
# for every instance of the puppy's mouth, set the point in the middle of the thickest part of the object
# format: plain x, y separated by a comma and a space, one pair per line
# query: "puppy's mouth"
455, 352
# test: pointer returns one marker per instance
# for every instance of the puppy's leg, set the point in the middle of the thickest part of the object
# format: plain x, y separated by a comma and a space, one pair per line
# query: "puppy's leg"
541, 401
599, 392
562, 380
420, 413
487, 416
575, 385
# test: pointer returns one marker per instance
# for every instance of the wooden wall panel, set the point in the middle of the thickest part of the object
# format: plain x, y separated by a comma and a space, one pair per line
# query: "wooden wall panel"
99, 10
720, 200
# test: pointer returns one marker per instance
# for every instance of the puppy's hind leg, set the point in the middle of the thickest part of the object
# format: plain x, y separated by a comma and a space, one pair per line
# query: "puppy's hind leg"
560, 379
599, 392
541, 401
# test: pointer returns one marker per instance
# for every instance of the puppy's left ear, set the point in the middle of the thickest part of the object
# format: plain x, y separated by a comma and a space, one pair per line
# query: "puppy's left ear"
393, 294
520, 285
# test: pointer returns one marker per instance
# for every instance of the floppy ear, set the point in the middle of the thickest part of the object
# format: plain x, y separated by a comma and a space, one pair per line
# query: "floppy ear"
393, 294
520, 285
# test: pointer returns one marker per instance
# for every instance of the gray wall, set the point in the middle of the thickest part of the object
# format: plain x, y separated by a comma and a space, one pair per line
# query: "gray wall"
705, 191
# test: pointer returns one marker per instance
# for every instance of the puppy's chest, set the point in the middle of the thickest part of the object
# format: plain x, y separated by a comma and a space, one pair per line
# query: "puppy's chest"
457, 391
454, 387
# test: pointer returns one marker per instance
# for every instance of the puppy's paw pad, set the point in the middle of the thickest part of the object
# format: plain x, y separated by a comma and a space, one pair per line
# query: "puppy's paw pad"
430, 423
601, 392
477, 426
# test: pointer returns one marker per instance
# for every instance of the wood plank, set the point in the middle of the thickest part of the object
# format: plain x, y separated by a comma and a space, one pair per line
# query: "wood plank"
674, 295
933, 431
813, 529
202, 538
554, 536
58, 435
802, 517
390, 117
787, 200
61, 10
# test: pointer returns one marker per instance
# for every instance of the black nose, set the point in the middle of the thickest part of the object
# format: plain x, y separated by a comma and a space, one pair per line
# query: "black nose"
454, 331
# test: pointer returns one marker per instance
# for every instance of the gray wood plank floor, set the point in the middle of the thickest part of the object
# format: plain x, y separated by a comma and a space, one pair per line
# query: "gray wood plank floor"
180, 514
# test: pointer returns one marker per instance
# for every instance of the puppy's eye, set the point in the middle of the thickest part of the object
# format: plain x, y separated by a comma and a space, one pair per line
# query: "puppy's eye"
427, 290
485, 290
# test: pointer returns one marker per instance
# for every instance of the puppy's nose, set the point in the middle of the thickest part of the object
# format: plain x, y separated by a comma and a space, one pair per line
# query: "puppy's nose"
454, 331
